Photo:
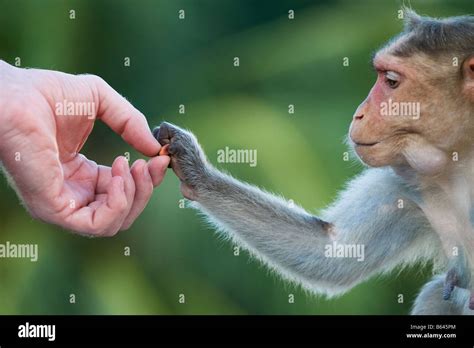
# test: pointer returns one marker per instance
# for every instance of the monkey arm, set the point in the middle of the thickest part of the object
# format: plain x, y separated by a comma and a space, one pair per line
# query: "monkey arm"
304, 248
373, 220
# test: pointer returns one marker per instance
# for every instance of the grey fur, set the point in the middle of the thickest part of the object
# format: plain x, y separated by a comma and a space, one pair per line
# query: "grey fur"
428, 302
292, 242
453, 36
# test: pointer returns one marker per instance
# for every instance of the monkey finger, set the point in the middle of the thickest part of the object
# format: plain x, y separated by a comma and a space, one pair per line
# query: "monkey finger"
165, 133
448, 290
449, 284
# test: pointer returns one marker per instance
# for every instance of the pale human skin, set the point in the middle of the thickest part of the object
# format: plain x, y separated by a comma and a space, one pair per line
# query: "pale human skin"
40, 151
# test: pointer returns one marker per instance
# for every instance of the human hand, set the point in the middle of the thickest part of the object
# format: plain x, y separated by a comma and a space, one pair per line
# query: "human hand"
45, 119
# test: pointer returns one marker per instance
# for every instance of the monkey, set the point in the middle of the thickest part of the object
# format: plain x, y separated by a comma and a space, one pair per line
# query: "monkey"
414, 134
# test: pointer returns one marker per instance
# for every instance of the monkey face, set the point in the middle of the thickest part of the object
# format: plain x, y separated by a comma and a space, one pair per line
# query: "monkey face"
386, 116
409, 117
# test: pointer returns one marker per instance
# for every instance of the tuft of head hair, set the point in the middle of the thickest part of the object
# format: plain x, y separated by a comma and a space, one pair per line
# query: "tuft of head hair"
411, 19
433, 36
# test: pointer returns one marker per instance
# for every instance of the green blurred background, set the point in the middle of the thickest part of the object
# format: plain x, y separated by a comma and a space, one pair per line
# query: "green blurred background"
190, 62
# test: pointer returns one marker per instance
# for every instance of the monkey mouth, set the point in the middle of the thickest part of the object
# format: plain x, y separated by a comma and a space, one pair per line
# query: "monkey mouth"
356, 143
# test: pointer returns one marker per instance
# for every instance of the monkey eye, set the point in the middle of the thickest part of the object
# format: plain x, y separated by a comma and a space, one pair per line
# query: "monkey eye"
392, 79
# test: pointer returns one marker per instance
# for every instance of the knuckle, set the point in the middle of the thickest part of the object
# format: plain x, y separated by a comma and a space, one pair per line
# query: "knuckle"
170, 128
167, 124
96, 83
94, 79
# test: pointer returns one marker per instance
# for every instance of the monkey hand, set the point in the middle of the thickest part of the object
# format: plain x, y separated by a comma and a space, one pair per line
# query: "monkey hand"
454, 279
187, 157
450, 282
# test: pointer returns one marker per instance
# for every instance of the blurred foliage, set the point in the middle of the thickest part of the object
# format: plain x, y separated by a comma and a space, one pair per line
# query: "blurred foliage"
189, 62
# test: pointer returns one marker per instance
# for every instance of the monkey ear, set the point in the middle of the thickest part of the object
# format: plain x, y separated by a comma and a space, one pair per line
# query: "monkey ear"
468, 74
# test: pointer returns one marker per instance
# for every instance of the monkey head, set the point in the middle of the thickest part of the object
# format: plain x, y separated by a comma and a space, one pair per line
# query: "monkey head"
421, 107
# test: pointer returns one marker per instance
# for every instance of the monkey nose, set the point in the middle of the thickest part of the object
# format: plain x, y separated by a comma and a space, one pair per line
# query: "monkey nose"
358, 117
